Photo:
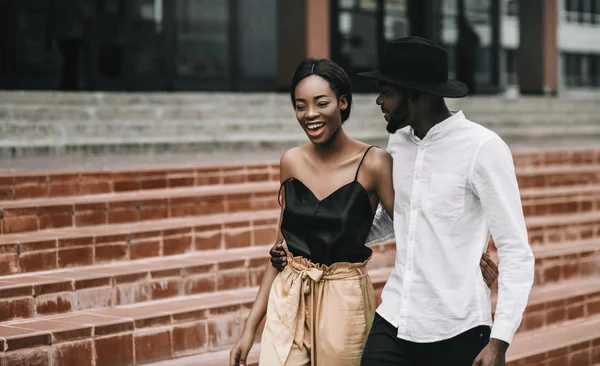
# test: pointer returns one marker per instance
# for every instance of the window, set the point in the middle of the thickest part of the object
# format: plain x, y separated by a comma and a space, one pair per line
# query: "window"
582, 11
202, 39
511, 66
581, 70
512, 8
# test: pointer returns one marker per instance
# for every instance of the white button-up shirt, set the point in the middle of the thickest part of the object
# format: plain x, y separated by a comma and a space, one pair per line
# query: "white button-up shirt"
453, 189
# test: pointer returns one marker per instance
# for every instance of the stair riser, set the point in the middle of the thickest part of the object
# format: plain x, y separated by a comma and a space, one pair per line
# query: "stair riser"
582, 354
17, 219
138, 287
29, 186
27, 256
31, 219
564, 179
133, 346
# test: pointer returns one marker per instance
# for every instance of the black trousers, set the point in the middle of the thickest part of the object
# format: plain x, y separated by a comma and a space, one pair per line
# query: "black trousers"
384, 348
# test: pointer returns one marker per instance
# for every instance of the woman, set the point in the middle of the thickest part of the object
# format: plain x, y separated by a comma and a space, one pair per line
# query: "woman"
320, 307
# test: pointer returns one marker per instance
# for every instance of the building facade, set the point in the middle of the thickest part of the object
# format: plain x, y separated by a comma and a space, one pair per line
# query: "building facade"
536, 46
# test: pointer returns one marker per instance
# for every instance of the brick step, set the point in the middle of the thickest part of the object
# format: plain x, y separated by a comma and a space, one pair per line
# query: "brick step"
30, 185
80, 211
565, 261
550, 305
65, 291
158, 329
543, 299
83, 288
215, 358
560, 200
557, 175
172, 327
581, 350
558, 229
575, 343
73, 247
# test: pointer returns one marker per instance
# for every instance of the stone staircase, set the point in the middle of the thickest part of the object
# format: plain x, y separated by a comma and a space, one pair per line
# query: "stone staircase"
92, 124
161, 266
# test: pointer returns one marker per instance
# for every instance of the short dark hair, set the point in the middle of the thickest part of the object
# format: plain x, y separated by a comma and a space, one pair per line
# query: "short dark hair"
333, 73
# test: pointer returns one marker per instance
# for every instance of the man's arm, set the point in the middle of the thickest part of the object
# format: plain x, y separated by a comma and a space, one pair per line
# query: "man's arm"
494, 182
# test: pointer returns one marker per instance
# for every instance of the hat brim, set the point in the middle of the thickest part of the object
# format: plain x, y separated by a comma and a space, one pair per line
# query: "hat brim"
449, 89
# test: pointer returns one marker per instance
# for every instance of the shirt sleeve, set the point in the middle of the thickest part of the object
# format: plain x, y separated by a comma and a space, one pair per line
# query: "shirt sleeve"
382, 228
495, 183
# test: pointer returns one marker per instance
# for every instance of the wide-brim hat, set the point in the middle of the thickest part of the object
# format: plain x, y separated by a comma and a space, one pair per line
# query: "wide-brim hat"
419, 64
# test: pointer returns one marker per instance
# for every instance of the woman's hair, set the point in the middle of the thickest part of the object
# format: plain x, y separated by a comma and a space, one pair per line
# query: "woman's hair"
337, 78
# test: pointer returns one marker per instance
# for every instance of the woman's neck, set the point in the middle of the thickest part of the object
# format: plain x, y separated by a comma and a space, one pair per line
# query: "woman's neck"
334, 147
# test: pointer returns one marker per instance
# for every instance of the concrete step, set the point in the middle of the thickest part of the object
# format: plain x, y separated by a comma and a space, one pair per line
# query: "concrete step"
94, 124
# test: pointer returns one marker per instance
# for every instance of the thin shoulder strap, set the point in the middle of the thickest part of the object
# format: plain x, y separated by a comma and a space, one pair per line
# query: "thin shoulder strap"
361, 161
281, 186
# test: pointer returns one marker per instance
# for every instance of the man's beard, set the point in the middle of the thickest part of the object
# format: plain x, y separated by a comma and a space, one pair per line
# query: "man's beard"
398, 118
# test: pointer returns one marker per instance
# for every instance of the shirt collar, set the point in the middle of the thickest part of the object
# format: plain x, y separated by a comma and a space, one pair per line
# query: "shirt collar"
438, 129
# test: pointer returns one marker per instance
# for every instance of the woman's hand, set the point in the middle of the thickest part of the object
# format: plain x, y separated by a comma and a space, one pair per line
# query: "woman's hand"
489, 269
240, 350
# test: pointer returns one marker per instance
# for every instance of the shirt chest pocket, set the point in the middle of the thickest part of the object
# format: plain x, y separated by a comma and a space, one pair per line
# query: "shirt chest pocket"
447, 194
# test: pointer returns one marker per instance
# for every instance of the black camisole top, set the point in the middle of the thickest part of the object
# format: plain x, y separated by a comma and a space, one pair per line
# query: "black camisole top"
330, 230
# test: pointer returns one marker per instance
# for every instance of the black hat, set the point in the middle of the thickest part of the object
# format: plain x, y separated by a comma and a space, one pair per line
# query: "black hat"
419, 64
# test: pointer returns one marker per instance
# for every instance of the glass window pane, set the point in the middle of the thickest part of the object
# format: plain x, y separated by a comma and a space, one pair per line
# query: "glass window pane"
396, 23
258, 39
347, 4
202, 39
146, 37
358, 33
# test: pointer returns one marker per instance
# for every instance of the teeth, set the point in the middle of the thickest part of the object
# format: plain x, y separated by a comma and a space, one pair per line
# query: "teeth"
315, 126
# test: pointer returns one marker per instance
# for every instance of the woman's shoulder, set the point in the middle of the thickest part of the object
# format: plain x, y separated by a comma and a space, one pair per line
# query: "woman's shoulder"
376, 159
290, 160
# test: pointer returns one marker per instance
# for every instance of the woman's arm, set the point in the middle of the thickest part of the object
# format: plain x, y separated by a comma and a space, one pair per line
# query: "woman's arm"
240, 350
384, 186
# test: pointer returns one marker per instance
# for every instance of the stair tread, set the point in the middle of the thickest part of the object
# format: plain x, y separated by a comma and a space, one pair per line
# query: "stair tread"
136, 227
537, 341
564, 219
208, 190
549, 192
215, 358
559, 168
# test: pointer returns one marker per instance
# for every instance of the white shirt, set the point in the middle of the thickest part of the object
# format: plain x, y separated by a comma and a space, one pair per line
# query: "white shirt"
453, 189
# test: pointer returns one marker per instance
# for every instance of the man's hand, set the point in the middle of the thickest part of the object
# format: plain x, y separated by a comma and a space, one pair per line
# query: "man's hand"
278, 256
489, 269
494, 354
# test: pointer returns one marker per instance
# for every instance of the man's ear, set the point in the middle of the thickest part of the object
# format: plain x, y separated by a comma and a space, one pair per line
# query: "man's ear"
414, 96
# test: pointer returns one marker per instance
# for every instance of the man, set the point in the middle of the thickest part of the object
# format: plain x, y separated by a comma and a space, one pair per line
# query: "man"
455, 184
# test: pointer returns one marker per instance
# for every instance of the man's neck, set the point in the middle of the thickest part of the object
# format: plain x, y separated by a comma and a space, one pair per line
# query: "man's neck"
426, 121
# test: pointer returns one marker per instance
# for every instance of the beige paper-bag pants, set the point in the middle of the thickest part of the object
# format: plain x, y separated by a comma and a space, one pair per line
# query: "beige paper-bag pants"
318, 315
